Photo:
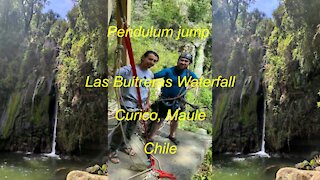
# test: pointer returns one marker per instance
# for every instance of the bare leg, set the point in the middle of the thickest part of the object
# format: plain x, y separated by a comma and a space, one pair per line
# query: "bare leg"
173, 128
155, 128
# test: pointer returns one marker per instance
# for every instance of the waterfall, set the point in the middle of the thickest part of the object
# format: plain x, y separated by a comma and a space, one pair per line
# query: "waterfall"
53, 148
262, 152
263, 142
35, 91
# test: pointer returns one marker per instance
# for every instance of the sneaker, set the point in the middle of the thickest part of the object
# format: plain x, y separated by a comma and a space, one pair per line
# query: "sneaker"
174, 140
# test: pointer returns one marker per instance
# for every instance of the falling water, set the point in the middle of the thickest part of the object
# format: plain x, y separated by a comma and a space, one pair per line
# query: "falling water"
35, 91
53, 148
262, 152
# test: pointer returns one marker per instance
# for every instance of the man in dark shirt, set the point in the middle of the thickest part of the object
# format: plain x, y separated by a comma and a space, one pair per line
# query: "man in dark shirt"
172, 97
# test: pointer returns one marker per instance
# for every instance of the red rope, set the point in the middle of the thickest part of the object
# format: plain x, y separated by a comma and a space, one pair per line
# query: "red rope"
162, 174
133, 66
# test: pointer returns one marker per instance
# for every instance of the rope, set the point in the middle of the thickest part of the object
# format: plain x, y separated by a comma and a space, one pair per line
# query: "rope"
134, 72
119, 101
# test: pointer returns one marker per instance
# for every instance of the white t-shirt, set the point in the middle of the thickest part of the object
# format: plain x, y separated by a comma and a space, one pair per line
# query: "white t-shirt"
129, 94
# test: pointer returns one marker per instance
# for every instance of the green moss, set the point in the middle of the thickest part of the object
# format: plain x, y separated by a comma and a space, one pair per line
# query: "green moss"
219, 114
248, 111
40, 112
12, 110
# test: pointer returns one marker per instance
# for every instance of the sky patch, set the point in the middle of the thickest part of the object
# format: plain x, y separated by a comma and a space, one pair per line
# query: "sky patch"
62, 7
265, 6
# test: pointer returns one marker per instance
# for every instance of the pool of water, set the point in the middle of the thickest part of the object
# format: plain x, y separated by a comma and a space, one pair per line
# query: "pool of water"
245, 167
18, 166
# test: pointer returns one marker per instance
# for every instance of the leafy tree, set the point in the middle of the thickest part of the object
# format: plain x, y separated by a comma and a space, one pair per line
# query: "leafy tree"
166, 14
234, 8
198, 11
29, 9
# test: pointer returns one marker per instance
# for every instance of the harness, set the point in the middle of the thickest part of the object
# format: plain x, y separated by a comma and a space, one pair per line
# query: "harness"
175, 102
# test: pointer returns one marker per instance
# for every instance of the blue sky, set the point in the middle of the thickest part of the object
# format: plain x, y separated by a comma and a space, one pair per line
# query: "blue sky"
62, 7
266, 6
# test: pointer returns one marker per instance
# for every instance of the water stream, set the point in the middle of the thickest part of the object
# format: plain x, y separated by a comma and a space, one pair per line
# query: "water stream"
53, 148
35, 91
262, 152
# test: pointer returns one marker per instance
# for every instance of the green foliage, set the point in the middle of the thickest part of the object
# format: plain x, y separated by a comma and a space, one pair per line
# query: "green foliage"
94, 13
292, 58
79, 46
303, 12
264, 29
166, 14
72, 16
278, 14
198, 11
253, 20
45, 22
67, 73
83, 53
167, 58
188, 126
67, 40
58, 30
201, 98
205, 171
96, 169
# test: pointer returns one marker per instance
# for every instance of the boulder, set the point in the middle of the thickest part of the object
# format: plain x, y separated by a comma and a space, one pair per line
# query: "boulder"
296, 174
82, 175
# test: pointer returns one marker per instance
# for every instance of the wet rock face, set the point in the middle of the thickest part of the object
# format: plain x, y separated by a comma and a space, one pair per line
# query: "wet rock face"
239, 111
24, 124
239, 131
292, 116
27, 116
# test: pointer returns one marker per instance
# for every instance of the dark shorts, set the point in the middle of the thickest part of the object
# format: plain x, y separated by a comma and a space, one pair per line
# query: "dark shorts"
162, 107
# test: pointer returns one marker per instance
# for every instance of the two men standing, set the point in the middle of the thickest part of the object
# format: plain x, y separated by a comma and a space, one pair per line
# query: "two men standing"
171, 98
